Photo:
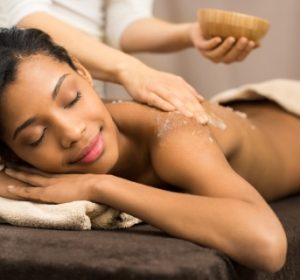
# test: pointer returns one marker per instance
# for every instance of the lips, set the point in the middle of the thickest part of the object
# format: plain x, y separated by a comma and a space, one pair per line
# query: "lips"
92, 151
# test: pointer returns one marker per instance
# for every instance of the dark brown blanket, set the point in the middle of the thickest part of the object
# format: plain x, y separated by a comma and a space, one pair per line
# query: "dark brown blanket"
142, 252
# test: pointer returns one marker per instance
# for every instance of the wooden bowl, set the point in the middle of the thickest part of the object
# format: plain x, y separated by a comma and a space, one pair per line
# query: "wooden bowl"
223, 24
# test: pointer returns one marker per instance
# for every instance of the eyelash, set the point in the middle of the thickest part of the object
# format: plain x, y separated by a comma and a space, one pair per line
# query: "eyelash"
36, 143
72, 103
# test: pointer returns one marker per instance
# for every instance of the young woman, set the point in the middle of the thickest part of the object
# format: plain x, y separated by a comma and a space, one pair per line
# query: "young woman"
203, 183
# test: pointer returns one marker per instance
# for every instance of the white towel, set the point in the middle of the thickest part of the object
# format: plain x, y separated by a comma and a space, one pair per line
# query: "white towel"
76, 215
284, 92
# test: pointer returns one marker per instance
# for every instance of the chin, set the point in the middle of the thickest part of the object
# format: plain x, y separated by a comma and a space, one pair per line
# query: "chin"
104, 165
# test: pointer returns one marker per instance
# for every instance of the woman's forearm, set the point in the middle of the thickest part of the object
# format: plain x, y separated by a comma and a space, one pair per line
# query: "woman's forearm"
155, 35
103, 62
246, 232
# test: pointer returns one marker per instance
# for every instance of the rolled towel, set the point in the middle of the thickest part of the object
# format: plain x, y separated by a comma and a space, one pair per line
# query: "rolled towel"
284, 92
76, 215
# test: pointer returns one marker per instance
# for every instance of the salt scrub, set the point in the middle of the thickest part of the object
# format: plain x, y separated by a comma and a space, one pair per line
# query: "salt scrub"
210, 139
215, 121
241, 114
117, 101
171, 122
175, 121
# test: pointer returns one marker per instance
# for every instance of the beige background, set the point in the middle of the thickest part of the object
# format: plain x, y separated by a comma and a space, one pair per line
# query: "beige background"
278, 57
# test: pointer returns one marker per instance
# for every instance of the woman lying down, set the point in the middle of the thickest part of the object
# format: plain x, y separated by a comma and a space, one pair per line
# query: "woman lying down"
215, 178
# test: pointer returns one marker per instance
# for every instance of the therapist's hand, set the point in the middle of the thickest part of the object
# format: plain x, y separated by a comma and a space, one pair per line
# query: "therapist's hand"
163, 90
221, 51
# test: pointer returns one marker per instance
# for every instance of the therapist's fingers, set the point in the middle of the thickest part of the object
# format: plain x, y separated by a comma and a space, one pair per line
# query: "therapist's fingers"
163, 90
207, 45
239, 51
158, 102
183, 97
220, 51
251, 46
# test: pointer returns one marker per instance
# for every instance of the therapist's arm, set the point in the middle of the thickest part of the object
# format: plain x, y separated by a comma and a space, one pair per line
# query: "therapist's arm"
155, 35
145, 84
103, 62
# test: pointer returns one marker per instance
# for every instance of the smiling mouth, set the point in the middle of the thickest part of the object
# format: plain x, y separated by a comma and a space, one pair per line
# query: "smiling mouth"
92, 152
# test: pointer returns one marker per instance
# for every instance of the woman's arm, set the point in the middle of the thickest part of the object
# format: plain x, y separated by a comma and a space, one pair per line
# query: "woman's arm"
155, 35
232, 215
247, 231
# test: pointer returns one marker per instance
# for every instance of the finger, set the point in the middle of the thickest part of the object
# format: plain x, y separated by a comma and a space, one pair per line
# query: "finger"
194, 109
32, 179
192, 103
238, 49
173, 98
29, 193
188, 103
158, 102
198, 96
208, 45
251, 46
199, 113
218, 53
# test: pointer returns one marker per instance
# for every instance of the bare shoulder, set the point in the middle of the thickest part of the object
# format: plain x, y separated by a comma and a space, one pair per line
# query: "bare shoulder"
131, 111
157, 123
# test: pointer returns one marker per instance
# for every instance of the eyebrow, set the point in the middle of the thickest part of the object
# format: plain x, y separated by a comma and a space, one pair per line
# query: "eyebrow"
32, 120
58, 85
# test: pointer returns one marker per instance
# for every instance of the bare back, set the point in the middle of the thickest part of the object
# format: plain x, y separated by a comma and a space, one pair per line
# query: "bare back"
268, 147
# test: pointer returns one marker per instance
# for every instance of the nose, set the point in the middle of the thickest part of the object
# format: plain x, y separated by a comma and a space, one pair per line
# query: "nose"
70, 132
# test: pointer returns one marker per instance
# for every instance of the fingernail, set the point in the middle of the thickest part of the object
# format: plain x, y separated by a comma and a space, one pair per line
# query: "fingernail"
231, 40
8, 171
11, 188
218, 40
188, 114
202, 120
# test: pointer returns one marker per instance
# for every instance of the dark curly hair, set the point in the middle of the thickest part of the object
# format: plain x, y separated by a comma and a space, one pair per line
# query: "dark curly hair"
15, 45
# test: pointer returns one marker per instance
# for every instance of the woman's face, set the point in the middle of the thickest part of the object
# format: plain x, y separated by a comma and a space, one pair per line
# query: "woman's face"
54, 120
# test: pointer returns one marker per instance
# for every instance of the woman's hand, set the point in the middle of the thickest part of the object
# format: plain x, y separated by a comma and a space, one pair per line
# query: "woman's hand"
218, 51
48, 188
163, 90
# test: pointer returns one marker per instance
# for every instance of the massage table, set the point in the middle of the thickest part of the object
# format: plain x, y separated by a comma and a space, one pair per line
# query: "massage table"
140, 252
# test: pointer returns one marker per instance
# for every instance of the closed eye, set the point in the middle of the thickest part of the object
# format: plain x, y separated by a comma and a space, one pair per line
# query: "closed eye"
74, 101
37, 142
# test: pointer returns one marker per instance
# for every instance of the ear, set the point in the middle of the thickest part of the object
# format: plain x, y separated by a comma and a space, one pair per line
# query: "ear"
81, 70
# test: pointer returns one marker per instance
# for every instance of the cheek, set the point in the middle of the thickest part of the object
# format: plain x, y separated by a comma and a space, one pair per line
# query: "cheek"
93, 103
43, 158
